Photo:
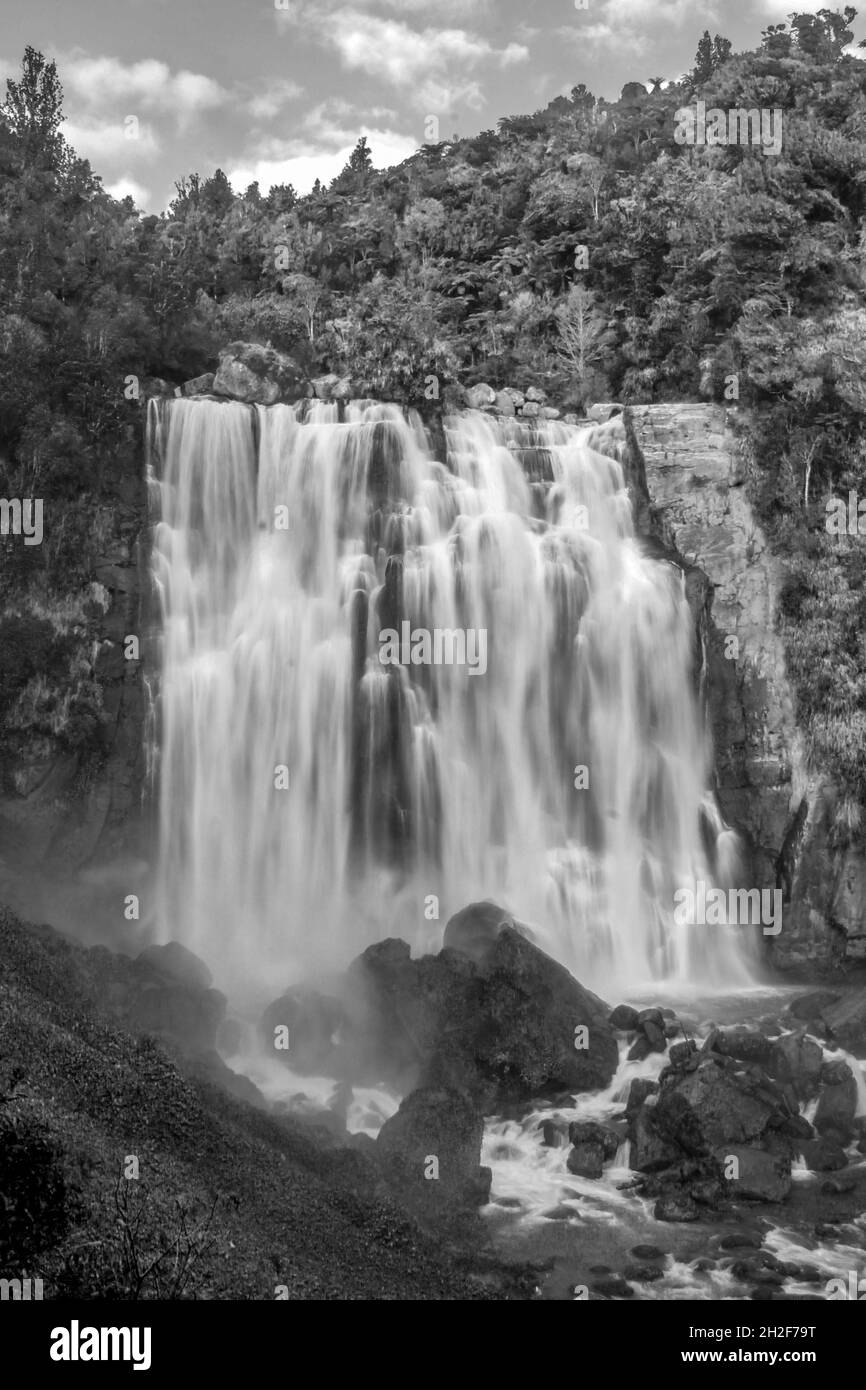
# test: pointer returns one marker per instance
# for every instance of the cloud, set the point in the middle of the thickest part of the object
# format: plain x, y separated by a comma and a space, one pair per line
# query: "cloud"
128, 188
632, 24
111, 140
302, 160
149, 85
273, 95
434, 67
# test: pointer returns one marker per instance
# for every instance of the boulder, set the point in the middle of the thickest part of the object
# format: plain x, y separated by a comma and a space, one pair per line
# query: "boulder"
313, 1021
760, 1176
715, 1106
536, 394
430, 1151
624, 1018
504, 403
796, 1060
481, 396
474, 929
586, 1160
190, 1016
325, 386
517, 397
591, 1132
454, 398
199, 385
846, 1020
823, 1155
744, 1043
530, 411
650, 1151
813, 1004
683, 1054
638, 1092
258, 375
175, 962
676, 1206
837, 1102
550, 412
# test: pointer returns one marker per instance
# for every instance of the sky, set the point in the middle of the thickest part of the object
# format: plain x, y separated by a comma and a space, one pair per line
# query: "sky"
280, 90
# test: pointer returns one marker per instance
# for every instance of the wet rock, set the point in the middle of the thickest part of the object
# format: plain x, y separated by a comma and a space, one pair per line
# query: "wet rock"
258, 375
175, 962
762, 1177
676, 1207
474, 930
515, 1026
742, 1240
837, 1102
712, 1108
640, 1049
530, 411
651, 1151
504, 403
846, 1020
638, 1092
590, 1132
643, 1274
797, 1060
624, 1018
745, 1044
707, 1192
837, 1187
191, 1017
613, 1287
797, 1127
812, 1005
749, 1273
313, 1021
552, 1134
648, 1254
586, 1160
430, 1150
823, 1155
682, 1053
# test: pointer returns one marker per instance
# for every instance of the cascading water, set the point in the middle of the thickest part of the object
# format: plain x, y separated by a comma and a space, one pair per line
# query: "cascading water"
313, 799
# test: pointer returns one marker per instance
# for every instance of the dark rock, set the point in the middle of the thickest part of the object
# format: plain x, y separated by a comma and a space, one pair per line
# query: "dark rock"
258, 375
797, 1060
711, 1108
650, 1254
654, 1035
651, 1151
586, 1160
614, 1286
623, 1018
474, 930
653, 1016
552, 1134
750, 1273
441, 1125
643, 1274
676, 1207
639, 1089
812, 1005
590, 1132
846, 1020
823, 1155
682, 1052
191, 1017
640, 1048
174, 962
762, 1177
313, 1021
707, 1192
745, 1044
510, 1029
837, 1101
797, 1127
836, 1187
742, 1240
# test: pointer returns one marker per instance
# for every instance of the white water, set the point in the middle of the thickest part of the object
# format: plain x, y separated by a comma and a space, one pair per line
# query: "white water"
412, 781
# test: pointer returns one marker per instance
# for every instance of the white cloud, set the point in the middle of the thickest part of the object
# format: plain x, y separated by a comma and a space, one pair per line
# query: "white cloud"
101, 140
129, 188
102, 82
293, 162
273, 95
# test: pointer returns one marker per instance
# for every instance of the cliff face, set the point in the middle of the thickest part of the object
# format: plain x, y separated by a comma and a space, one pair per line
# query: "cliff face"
688, 476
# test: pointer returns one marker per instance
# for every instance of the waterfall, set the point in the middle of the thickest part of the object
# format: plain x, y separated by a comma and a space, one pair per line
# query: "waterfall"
315, 794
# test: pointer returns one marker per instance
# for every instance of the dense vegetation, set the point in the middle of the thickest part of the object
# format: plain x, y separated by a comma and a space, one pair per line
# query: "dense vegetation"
580, 248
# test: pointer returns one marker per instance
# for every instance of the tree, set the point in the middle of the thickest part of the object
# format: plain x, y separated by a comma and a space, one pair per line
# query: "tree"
583, 334
711, 54
33, 110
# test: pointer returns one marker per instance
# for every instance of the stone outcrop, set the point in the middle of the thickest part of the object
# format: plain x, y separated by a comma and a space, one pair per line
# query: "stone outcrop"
259, 375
